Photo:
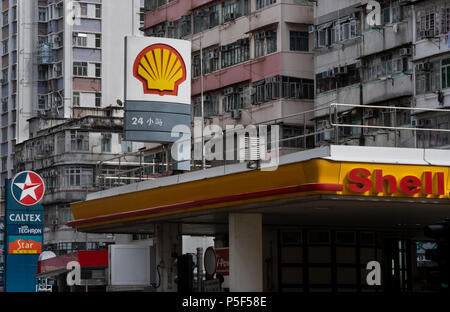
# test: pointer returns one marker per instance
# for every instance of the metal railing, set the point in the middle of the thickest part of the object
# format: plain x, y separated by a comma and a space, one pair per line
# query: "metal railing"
316, 127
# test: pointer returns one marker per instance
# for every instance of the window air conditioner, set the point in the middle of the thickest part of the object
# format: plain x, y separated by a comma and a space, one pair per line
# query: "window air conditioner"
429, 33
228, 91
236, 114
229, 16
427, 66
405, 52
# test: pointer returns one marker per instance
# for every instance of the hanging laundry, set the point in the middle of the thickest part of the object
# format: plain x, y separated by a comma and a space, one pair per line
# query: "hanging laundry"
395, 28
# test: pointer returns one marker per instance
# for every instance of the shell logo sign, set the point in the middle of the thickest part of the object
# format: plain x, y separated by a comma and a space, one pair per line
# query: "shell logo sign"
157, 70
161, 69
157, 89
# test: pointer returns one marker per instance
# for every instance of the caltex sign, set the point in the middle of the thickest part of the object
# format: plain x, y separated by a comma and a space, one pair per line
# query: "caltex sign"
24, 230
27, 188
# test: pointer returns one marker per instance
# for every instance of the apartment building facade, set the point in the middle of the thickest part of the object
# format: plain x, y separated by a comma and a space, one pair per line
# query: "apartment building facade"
55, 56
361, 64
252, 60
62, 89
431, 30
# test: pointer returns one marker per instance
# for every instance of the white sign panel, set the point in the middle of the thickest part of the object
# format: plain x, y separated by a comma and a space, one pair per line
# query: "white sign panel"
129, 265
158, 70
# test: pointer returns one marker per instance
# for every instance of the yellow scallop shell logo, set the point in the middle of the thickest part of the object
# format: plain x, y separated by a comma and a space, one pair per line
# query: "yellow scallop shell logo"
161, 69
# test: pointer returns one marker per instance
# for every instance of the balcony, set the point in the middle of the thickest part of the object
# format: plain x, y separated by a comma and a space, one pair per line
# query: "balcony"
430, 100
346, 95
430, 47
394, 86
376, 41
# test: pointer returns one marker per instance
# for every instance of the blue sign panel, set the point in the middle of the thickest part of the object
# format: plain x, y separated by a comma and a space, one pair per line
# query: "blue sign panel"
23, 242
154, 121
25, 230
24, 217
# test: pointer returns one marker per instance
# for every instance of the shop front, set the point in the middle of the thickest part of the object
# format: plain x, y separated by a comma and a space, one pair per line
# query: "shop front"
311, 225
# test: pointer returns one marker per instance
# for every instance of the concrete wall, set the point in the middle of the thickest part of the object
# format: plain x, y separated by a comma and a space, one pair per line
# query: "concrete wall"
26, 73
376, 41
119, 19
382, 90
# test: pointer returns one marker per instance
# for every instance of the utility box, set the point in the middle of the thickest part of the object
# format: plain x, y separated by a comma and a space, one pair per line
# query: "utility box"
131, 268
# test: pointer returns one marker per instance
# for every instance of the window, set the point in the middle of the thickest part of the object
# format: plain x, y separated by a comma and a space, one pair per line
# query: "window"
344, 32
337, 77
210, 62
98, 11
5, 134
385, 15
127, 146
64, 215
42, 73
76, 99
76, 176
57, 70
426, 23
445, 73
4, 163
273, 88
210, 104
236, 98
5, 18
60, 143
265, 41
42, 102
14, 72
83, 7
235, 53
80, 69
299, 41
345, 28
232, 9
98, 40
106, 144
262, 3
428, 79
98, 70
271, 38
13, 132
5, 48
79, 39
445, 19
98, 99
291, 132
42, 14
79, 141
206, 18
154, 4
14, 13
4, 105
4, 76
259, 44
